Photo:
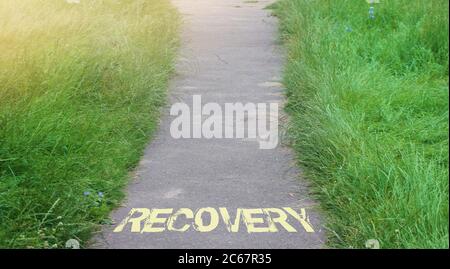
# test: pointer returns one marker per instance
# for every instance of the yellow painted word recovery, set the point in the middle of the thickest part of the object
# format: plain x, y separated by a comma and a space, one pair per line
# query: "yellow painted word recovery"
253, 220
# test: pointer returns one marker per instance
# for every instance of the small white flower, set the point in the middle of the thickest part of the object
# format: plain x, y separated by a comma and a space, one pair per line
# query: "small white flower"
73, 244
373, 244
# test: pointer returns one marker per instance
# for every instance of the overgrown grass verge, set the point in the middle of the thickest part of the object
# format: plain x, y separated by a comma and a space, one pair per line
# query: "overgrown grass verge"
81, 85
369, 104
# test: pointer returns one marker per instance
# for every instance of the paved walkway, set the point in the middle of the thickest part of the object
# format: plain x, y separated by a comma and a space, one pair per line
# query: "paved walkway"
229, 53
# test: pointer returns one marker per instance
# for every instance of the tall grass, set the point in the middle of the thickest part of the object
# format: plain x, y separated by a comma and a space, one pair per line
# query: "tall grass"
80, 89
369, 106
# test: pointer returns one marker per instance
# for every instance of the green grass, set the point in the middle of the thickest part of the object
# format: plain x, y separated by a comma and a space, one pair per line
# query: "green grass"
368, 100
81, 85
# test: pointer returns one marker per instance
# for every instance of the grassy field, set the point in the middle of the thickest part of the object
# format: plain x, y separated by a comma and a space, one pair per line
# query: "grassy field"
81, 85
368, 97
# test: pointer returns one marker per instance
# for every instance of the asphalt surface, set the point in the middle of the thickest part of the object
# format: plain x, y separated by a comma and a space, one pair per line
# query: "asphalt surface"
230, 53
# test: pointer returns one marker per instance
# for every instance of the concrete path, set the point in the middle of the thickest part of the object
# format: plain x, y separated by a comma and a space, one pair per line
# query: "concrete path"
229, 53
